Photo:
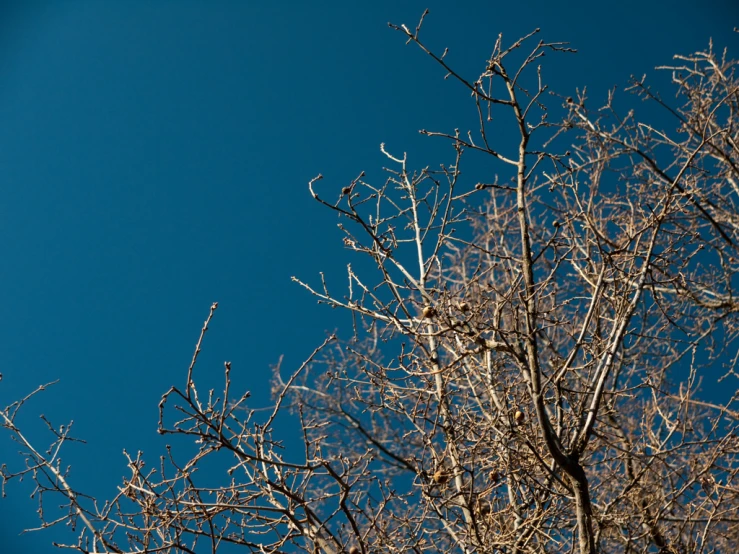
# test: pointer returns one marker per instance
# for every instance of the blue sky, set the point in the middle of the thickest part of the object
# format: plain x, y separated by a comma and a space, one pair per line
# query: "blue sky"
154, 158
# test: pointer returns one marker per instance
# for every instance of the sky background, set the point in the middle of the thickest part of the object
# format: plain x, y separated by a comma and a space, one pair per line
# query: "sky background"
154, 158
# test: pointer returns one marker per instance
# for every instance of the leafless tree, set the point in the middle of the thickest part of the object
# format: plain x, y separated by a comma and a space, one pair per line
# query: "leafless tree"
527, 354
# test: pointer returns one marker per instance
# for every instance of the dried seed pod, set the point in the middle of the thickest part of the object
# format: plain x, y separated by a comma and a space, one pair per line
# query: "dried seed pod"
519, 417
464, 307
441, 477
429, 312
346, 190
354, 550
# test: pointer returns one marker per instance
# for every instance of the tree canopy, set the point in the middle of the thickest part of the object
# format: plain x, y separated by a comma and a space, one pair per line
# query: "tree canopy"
529, 343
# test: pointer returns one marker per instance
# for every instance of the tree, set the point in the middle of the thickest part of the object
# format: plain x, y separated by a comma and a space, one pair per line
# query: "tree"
526, 358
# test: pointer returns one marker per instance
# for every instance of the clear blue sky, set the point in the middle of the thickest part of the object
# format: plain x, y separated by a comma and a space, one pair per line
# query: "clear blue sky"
154, 158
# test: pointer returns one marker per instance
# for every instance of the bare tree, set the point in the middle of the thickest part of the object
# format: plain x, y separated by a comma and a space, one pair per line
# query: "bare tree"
525, 365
